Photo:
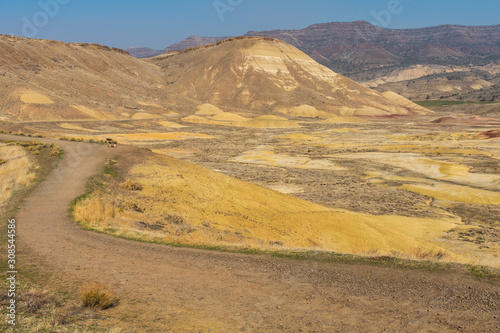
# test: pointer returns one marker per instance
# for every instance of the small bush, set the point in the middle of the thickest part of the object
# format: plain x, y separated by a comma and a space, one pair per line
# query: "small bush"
175, 219
429, 254
131, 185
97, 296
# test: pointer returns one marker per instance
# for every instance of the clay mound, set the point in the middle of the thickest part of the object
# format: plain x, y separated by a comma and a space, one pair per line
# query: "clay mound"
475, 120
344, 120
269, 122
270, 117
227, 116
412, 107
490, 134
444, 120
199, 120
265, 75
208, 110
305, 111
53, 76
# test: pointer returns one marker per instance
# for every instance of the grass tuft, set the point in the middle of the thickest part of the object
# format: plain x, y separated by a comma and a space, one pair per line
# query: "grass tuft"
97, 296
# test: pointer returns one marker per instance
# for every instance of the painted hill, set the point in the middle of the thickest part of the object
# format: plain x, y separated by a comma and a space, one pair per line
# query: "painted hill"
267, 75
411, 62
351, 46
50, 80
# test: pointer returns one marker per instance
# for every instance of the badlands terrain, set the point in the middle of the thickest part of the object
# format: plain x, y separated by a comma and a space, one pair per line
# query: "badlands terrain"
251, 148
449, 62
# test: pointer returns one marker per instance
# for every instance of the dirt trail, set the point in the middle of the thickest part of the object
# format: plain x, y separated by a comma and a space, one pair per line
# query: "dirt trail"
166, 289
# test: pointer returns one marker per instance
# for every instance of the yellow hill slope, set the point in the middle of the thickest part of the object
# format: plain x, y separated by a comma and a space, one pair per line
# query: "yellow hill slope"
218, 209
264, 75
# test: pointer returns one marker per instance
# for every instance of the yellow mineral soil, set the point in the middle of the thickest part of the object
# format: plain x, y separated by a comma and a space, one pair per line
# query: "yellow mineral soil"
170, 124
145, 115
207, 110
267, 57
451, 192
262, 216
75, 127
227, 116
439, 190
91, 112
305, 111
393, 97
150, 104
439, 170
437, 137
33, 97
268, 122
200, 120
37, 112
263, 156
173, 136
343, 119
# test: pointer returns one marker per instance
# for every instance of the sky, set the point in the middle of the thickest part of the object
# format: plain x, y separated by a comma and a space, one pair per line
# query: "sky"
160, 23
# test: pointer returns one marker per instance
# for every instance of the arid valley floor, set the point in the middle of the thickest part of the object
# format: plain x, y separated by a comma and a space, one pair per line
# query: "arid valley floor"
269, 194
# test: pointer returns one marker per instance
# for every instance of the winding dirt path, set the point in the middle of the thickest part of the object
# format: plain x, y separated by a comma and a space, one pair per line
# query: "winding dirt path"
165, 289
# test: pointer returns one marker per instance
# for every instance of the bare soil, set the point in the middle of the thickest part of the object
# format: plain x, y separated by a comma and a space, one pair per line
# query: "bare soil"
189, 290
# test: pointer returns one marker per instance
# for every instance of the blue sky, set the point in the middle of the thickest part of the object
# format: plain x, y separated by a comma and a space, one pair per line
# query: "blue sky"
159, 23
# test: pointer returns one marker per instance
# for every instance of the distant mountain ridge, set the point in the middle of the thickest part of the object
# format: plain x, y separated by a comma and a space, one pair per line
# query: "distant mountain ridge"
350, 44
263, 75
368, 53
193, 41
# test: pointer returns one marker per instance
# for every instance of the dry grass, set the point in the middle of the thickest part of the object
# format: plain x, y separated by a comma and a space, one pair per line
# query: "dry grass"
96, 210
217, 210
131, 185
97, 296
15, 171
35, 300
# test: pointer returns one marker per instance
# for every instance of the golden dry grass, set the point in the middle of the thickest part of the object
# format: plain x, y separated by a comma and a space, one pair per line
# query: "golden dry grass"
15, 172
220, 210
97, 296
